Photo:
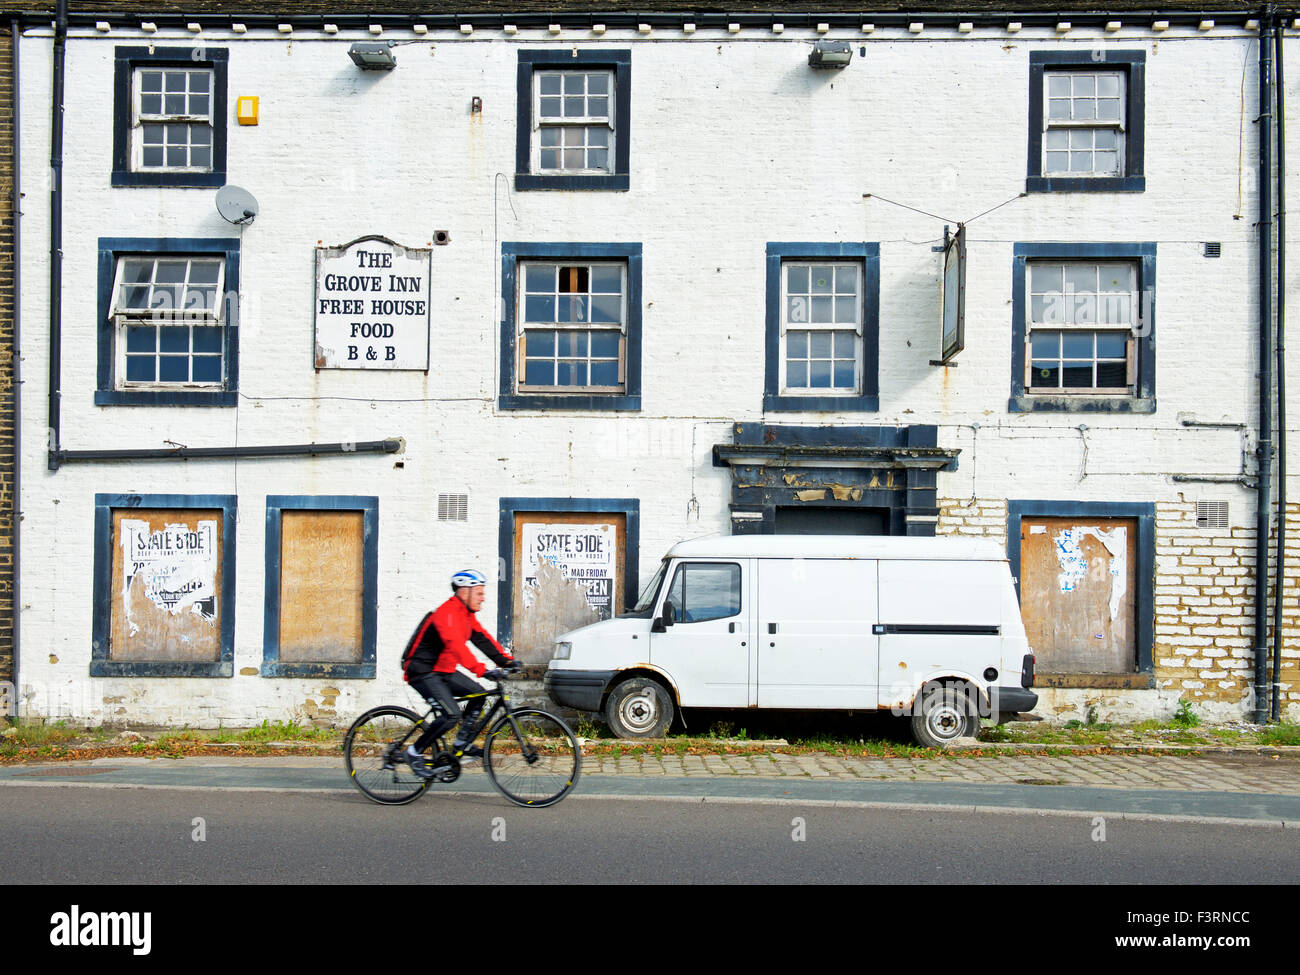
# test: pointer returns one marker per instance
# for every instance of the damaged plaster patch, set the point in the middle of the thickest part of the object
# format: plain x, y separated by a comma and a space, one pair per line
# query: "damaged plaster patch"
818, 495
555, 604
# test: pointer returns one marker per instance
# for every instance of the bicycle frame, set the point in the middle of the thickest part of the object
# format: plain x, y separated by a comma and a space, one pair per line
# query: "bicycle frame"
502, 703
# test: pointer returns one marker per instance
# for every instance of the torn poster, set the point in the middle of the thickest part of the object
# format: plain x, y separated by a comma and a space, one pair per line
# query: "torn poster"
177, 565
1074, 564
585, 554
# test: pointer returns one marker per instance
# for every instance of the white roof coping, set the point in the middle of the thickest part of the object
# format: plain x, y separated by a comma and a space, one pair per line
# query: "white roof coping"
839, 547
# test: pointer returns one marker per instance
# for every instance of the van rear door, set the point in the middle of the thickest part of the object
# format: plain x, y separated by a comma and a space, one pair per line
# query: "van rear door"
815, 643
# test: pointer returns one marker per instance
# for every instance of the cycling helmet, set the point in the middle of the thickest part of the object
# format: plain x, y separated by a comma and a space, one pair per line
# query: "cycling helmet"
468, 577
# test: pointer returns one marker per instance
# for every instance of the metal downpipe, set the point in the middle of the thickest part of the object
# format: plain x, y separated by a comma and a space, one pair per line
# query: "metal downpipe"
56, 227
1279, 577
1263, 515
390, 446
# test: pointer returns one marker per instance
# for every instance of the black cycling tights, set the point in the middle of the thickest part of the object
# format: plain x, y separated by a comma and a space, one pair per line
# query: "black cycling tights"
442, 689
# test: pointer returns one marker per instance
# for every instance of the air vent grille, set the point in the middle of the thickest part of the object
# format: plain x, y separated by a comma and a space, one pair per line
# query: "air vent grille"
453, 507
1211, 514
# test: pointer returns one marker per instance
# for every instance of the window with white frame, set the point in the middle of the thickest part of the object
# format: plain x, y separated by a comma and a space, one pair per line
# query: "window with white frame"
821, 328
168, 313
1081, 327
573, 113
172, 119
572, 119
572, 327
169, 116
1087, 119
1083, 127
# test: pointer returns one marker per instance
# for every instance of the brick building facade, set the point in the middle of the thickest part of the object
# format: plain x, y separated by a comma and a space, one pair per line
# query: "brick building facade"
629, 279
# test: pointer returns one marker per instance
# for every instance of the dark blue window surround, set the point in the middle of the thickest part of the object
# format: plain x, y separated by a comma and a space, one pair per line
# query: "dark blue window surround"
868, 397
1133, 65
276, 505
1143, 399
510, 398
620, 62
1145, 515
630, 508
106, 551
107, 392
125, 62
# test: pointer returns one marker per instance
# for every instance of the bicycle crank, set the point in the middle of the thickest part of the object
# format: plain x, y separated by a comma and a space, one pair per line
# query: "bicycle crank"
445, 767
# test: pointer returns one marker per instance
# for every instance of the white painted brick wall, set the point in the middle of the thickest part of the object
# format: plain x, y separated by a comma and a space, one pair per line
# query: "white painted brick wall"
734, 142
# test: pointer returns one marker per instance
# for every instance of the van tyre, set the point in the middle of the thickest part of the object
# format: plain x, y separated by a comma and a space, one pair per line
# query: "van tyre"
639, 708
942, 714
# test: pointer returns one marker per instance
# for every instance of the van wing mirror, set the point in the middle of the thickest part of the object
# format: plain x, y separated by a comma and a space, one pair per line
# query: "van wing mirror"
667, 617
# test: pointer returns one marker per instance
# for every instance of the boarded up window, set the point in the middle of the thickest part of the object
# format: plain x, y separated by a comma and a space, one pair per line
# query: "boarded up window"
568, 573
165, 596
1078, 588
322, 586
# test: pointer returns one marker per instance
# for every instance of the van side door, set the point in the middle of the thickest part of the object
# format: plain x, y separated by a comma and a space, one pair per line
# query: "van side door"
701, 637
938, 618
816, 648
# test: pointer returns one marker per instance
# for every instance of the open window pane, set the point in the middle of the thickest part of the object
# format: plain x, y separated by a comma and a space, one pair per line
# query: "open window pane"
180, 300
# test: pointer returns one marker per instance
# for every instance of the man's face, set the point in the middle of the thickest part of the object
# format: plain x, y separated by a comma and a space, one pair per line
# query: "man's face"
472, 597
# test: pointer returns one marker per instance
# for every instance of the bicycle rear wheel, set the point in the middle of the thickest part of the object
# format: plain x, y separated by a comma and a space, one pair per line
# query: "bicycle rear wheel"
539, 766
373, 737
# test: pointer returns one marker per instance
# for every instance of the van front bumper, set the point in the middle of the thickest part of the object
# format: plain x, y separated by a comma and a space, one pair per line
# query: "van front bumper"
578, 689
1009, 700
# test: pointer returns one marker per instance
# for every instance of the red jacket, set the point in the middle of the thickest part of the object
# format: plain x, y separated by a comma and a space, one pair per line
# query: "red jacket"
438, 645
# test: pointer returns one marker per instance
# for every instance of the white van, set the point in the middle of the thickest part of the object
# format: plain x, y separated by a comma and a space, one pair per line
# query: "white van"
927, 627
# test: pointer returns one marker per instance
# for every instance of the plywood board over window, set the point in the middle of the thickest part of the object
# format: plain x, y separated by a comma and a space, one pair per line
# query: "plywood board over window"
322, 568
568, 572
322, 586
1078, 591
166, 591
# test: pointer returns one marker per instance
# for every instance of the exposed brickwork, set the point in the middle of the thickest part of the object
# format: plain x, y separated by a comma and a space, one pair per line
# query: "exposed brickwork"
1204, 598
1204, 607
969, 516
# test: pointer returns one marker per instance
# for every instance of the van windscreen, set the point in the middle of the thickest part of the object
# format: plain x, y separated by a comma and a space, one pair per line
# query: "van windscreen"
651, 590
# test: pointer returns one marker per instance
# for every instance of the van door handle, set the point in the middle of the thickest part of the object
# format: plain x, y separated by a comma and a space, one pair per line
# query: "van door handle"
771, 627
731, 627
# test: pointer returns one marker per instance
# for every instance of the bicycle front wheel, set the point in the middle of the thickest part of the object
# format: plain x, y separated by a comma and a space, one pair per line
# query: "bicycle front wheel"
539, 765
372, 752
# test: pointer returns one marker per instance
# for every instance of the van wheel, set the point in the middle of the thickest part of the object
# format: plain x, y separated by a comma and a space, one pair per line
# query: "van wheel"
639, 708
942, 714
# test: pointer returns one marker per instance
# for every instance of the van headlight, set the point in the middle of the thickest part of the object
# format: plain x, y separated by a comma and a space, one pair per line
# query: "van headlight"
562, 651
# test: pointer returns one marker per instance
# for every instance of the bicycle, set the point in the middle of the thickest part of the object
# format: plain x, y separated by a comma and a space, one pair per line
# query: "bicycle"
530, 755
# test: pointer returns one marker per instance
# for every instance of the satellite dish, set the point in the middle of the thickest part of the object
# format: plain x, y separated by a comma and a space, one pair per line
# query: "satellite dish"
236, 205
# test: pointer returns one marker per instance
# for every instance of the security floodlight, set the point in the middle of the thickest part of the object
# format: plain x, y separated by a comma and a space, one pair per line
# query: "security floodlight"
373, 55
830, 54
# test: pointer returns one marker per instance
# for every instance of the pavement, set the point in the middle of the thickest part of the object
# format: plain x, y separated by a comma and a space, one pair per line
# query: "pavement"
1247, 786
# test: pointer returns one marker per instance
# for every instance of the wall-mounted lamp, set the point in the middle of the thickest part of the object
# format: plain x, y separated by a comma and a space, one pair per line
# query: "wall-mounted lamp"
830, 54
373, 55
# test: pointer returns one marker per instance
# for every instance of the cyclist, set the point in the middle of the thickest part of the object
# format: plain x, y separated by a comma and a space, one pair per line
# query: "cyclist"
436, 650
